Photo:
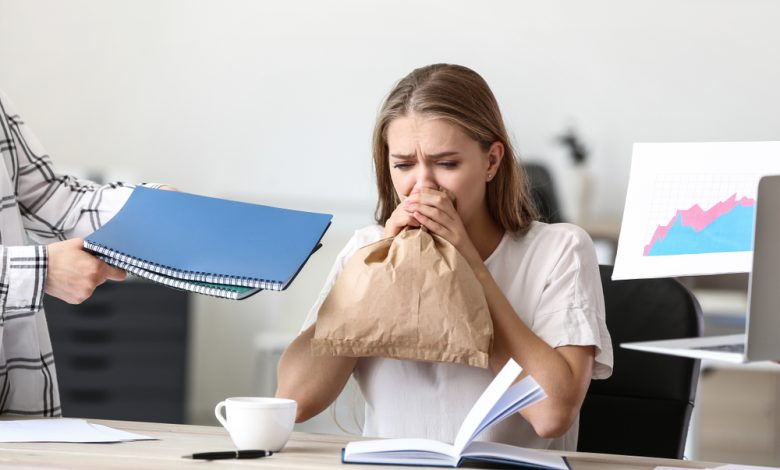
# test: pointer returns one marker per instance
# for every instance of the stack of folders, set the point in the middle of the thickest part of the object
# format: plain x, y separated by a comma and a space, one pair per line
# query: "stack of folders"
211, 246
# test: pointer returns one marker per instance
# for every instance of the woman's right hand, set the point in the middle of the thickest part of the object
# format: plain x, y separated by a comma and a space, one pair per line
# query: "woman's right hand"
399, 219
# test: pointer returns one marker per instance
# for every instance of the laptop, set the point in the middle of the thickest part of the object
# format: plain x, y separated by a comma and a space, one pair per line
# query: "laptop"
761, 340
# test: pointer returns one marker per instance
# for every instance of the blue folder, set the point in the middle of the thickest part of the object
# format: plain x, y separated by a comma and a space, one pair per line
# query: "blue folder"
190, 241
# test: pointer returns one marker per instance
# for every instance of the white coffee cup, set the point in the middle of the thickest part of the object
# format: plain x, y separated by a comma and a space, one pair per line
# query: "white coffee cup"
260, 423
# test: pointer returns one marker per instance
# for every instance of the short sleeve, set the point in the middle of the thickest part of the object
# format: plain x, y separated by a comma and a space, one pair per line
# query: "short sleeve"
571, 307
358, 240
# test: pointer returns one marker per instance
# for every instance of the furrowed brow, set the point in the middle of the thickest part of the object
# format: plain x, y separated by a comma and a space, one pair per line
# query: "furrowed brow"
443, 154
399, 156
432, 156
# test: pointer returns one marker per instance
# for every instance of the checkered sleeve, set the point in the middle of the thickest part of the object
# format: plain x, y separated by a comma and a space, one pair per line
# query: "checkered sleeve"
53, 206
22, 275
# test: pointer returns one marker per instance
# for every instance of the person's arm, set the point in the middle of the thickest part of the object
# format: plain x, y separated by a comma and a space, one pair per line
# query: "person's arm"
563, 372
313, 381
316, 381
54, 208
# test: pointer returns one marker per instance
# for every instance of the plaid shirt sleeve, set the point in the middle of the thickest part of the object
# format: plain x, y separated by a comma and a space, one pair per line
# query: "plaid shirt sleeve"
57, 207
23, 273
53, 207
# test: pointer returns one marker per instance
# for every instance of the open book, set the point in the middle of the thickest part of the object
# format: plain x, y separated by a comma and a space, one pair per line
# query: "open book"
500, 400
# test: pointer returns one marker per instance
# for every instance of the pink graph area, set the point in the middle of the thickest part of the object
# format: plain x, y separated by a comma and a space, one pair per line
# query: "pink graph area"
697, 218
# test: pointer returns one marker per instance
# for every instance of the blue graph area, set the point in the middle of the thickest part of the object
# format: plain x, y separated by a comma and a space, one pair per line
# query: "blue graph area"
732, 231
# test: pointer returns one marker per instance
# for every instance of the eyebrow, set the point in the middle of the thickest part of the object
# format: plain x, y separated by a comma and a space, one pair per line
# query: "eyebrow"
433, 156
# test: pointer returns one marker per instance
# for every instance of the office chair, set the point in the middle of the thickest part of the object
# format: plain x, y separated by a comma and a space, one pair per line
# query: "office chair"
645, 407
543, 192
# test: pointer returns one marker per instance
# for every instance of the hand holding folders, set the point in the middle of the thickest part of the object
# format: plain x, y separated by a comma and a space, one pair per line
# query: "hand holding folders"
408, 297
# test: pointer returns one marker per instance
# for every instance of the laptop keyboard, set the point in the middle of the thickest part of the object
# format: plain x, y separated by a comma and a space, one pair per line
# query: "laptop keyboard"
735, 348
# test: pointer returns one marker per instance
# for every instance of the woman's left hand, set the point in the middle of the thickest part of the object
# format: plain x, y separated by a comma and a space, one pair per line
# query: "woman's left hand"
435, 211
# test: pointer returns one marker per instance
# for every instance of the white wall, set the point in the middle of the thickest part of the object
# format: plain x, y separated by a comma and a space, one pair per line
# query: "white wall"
274, 101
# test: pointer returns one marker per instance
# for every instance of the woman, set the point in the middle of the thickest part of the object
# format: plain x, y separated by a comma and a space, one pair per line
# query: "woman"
440, 136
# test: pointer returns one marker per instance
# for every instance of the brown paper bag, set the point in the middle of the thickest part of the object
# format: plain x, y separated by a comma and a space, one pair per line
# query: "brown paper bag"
409, 297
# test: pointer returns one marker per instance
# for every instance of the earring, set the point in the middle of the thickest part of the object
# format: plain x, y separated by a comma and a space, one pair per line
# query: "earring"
490, 176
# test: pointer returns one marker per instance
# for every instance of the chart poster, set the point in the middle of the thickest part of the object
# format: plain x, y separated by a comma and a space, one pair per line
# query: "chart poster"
690, 208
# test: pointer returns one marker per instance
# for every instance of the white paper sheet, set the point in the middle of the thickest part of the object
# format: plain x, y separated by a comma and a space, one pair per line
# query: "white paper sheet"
688, 208
62, 430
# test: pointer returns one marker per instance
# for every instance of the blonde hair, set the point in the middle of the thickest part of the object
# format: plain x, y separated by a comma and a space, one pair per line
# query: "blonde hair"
461, 96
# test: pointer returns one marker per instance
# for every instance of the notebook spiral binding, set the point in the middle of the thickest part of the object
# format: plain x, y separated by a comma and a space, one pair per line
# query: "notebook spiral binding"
169, 281
114, 258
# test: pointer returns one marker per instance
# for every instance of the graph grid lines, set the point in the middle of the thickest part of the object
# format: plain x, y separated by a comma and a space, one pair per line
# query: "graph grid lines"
700, 213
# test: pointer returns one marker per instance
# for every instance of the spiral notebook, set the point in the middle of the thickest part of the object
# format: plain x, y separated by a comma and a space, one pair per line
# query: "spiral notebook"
207, 245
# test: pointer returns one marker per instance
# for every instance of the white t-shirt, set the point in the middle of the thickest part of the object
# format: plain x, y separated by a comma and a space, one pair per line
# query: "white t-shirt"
550, 276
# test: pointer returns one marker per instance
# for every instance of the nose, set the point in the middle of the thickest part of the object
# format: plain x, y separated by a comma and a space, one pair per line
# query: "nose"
425, 179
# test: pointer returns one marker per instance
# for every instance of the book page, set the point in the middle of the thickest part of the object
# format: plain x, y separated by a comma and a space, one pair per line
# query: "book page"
482, 408
497, 452
522, 394
500, 399
400, 450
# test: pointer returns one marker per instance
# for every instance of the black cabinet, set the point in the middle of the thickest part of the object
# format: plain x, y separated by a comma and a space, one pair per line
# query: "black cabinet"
122, 354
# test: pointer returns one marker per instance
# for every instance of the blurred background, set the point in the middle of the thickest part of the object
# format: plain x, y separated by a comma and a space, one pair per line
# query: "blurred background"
274, 102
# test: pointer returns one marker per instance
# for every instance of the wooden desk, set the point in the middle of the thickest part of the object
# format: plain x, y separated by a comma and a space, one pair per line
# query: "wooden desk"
303, 451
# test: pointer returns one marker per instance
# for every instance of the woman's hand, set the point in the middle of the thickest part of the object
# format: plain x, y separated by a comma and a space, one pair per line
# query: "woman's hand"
400, 218
434, 209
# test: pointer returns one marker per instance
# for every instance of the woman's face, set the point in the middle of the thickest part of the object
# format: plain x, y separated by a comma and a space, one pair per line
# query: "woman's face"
433, 153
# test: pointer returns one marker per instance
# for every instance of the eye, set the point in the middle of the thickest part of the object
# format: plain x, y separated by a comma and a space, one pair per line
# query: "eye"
448, 164
402, 166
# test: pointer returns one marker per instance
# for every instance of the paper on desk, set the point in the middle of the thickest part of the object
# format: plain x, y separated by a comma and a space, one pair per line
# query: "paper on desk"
62, 430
